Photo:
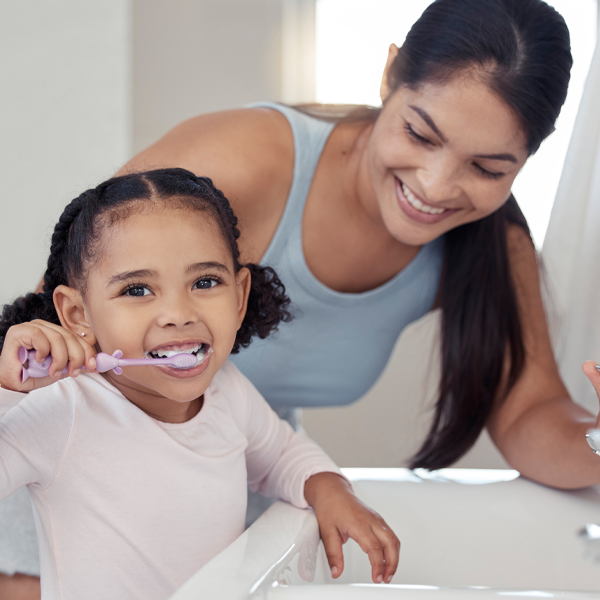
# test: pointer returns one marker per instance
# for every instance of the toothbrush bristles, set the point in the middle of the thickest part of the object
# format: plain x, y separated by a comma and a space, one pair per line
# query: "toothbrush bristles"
184, 360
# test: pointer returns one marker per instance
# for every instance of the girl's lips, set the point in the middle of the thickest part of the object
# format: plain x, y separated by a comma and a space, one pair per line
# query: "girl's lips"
417, 215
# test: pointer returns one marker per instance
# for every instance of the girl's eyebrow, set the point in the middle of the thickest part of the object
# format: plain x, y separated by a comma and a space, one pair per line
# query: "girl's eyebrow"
205, 266
129, 275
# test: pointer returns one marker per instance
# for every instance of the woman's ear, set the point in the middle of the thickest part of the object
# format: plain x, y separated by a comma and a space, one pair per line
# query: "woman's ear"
243, 283
384, 90
71, 312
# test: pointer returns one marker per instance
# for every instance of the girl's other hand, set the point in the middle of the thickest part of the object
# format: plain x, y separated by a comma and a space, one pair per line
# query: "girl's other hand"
66, 348
341, 515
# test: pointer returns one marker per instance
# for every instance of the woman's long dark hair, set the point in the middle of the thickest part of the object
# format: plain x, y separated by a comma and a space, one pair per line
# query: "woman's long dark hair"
76, 245
522, 47
522, 50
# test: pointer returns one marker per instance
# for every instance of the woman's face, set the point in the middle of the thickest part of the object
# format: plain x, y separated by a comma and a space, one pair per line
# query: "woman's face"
443, 155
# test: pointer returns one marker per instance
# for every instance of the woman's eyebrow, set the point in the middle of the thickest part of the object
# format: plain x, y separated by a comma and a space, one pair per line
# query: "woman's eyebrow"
129, 275
205, 266
508, 157
429, 122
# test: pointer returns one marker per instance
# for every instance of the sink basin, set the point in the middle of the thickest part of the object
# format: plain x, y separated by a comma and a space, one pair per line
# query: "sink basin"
465, 533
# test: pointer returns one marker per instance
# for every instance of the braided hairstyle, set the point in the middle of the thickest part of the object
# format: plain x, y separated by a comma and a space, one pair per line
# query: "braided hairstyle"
75, 246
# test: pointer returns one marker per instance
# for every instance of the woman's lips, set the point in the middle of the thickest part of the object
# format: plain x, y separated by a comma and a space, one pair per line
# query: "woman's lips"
418, 215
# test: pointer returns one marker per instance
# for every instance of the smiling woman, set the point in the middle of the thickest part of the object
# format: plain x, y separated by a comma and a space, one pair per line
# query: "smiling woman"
372, 217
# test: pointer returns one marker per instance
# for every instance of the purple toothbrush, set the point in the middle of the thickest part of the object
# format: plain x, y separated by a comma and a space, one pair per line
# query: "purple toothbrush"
104, 362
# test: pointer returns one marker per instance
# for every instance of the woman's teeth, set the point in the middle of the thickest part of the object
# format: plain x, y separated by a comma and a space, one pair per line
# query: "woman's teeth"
416, 203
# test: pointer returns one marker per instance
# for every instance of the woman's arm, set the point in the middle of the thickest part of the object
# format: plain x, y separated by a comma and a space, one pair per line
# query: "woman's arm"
538, 428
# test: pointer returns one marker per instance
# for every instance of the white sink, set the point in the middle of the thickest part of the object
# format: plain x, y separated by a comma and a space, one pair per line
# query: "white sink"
465, 533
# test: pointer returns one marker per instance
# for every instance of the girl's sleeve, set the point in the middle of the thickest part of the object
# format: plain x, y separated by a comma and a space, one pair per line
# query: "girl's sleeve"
33, 435
279, 460
8, 400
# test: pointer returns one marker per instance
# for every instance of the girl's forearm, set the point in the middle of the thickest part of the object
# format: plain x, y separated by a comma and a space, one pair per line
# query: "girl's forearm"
547, 444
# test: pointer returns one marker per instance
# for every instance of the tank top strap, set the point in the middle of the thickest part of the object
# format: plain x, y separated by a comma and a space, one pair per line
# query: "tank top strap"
310, 135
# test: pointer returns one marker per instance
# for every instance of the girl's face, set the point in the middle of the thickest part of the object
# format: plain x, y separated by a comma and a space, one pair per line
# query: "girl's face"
165, 282
441, 156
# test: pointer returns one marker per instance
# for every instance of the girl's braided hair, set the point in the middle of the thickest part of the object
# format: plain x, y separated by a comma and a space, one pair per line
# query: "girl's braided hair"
75, 246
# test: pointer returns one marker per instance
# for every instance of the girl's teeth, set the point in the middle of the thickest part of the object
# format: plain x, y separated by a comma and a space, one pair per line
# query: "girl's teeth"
416, 203
170, 353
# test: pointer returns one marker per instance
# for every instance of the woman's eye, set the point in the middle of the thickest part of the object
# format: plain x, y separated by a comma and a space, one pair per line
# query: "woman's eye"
487, 173
206, 283
137, 291
414, 135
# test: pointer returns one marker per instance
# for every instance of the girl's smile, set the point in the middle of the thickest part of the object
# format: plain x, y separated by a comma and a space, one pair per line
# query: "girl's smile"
166, 285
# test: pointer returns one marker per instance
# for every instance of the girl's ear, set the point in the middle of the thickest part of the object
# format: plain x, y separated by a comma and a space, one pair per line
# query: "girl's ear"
71, 312
384, 90
243, 284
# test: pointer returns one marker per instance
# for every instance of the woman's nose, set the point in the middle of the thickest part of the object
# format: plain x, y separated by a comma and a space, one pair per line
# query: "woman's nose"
440, 181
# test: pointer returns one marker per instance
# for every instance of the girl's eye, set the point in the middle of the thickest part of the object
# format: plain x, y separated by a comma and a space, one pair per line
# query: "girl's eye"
487, 173
206, 283
415, 136
137, 291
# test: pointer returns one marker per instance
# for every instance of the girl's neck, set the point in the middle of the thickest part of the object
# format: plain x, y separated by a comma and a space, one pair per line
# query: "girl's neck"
158, 407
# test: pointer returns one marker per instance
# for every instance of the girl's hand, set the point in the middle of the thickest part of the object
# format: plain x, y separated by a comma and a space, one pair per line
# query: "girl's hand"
341, 515
66, 348
589, 368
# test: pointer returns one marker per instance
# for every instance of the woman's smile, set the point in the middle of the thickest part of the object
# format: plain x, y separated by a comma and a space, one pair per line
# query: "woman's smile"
417, 209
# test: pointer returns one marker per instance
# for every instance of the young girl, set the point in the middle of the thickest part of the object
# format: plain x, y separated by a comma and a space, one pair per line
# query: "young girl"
139, 479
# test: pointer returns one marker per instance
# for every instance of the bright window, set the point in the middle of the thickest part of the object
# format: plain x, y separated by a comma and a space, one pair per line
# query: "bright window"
352, 40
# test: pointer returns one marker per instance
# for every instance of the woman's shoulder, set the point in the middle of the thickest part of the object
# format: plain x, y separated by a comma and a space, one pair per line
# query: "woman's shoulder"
249, 155
240, 150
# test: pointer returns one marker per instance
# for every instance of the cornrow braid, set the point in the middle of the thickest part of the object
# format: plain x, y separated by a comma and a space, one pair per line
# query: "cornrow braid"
77, 235
41, 306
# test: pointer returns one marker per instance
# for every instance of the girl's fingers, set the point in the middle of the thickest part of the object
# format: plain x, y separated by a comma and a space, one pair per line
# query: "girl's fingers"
391, 550
372, 546
59, 349
78, 351
333, 550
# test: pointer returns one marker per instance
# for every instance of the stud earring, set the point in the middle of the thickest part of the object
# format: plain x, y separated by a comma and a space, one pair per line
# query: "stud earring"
83, 334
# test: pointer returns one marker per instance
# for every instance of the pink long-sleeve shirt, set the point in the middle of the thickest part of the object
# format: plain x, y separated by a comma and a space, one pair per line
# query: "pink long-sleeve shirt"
129, 507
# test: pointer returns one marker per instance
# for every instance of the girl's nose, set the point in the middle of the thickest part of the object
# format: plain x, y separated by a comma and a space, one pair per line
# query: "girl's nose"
177, 312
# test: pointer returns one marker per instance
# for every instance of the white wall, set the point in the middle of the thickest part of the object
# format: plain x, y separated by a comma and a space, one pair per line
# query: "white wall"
64, 119
193, 57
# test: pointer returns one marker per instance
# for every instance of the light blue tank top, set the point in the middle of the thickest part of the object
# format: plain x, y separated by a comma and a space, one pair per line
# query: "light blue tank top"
338, 343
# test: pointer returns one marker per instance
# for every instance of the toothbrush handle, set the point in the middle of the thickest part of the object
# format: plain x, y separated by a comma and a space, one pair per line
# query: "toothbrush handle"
104, 362
133, 362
